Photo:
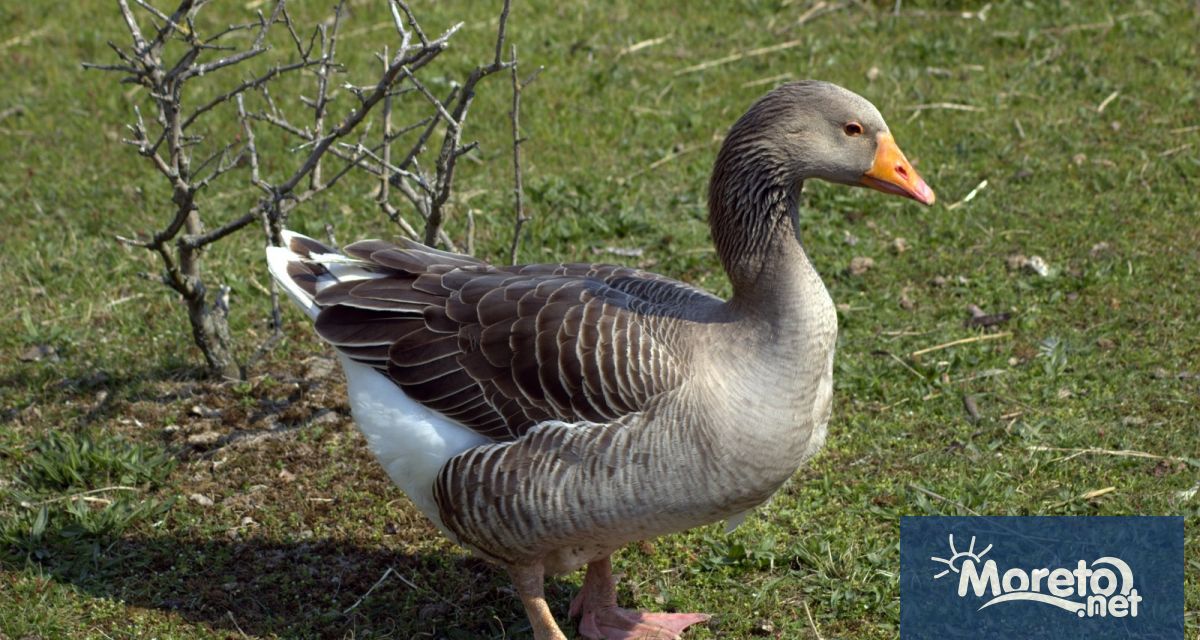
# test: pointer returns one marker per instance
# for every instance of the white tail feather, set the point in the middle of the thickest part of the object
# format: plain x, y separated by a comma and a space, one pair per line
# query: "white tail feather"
277, 261
341, 268
411, 441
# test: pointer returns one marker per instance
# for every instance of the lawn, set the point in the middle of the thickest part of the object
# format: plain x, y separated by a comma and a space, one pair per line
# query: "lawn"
140, 499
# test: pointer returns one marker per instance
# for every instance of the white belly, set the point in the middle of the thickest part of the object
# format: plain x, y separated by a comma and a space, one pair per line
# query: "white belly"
409, 440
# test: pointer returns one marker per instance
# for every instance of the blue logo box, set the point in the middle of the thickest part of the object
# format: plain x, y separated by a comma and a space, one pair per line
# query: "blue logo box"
1041, 577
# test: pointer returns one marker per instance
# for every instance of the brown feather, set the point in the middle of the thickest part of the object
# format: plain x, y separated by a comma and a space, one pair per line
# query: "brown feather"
498, 349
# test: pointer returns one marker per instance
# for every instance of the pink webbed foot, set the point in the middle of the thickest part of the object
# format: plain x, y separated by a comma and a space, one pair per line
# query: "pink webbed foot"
615, 623
601, 619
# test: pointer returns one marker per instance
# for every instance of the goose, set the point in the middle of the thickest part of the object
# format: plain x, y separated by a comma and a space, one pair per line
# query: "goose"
542, 416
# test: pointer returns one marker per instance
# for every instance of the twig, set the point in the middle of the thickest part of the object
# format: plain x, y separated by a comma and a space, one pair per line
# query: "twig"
235, 624
1087, 495
378, 582
943, 498
500, 33
412, 22
1171, 152
24, 38
739, 56
812, 623
320, 106
952, 106
955, 343
1110, 452
450, 152
638, 46
816, 10
124, 299
904, 364
83, 494
518, 190
470, 231
970, 196
221, 63
252, 83
1104, 103
1096, 493
437, 104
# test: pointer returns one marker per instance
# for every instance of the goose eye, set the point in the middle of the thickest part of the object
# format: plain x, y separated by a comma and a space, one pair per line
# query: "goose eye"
853, 129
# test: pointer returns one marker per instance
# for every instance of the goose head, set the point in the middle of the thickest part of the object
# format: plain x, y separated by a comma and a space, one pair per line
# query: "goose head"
819, 130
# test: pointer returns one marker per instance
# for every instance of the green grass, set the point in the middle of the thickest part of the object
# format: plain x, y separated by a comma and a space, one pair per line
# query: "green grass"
303, 524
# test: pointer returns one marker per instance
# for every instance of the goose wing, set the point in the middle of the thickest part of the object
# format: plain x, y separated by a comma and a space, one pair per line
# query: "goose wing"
502, 349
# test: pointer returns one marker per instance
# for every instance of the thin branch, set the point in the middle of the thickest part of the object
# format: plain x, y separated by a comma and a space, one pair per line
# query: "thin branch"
412, 22
470, 231
356, 116
291, 29
378, 582
405, 35
500, 34
199, 240
252, 83
437, 104
221, 63
251, 146
234, 28
951, 106
739, 56
226, 164
328, 54
384, 169
421, 141
955, 343
109, 67
133, 242
518, 190
447, 159
262, 32
385, 176
1124, 453
354, 161
139, 41
170, 23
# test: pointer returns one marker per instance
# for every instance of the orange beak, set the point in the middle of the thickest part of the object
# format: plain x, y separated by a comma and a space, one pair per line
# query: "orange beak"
891, 173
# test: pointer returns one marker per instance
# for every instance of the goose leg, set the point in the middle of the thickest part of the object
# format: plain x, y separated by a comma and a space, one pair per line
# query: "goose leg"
530, 583
601, 619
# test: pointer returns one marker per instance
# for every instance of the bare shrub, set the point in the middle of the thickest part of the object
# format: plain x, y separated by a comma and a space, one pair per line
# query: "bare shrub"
194, 135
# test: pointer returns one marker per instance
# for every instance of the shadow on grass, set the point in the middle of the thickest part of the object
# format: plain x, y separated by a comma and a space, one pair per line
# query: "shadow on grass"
325, 589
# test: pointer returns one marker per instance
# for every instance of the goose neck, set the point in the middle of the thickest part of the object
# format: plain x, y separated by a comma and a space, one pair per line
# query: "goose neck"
754, 218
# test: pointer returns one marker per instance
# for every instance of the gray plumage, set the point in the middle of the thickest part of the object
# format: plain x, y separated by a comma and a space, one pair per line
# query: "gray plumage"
616, 404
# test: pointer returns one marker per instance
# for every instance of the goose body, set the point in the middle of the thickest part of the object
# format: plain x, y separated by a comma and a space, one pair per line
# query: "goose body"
543, 416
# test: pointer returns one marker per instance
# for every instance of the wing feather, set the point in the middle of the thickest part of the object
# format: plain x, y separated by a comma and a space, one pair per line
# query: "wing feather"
502, 349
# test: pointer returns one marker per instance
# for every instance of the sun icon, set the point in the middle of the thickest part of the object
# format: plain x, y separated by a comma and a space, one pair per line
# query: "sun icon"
957, 556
